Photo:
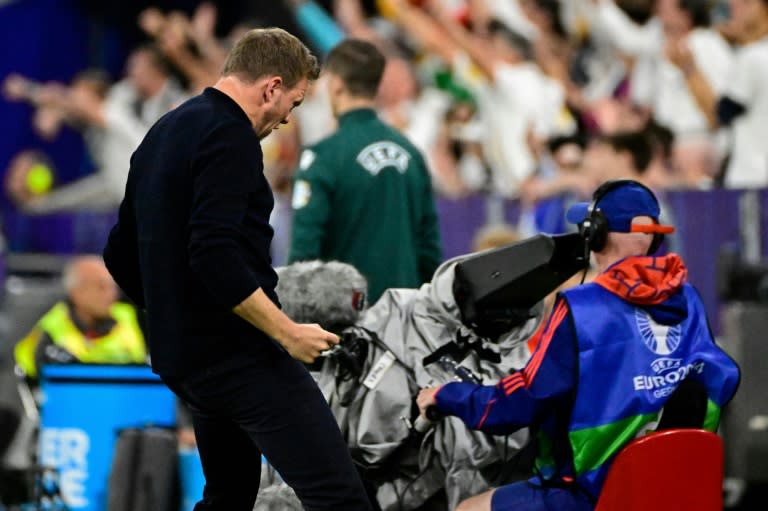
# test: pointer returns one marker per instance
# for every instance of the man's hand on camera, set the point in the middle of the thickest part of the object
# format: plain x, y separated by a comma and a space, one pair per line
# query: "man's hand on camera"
305, 342
426, 398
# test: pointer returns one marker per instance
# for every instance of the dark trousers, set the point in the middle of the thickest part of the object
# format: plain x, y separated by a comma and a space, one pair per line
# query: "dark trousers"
243, 408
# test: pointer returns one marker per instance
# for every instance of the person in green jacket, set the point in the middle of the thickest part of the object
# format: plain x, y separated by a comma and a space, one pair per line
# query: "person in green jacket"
363, 195
89, 327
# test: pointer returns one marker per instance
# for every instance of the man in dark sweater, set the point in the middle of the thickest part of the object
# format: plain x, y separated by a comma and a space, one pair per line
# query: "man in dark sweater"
192, 247
363, 196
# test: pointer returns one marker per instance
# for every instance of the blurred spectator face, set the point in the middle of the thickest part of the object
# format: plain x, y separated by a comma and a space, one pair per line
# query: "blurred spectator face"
93, 292
598, 161
569, 156
461, 112
675, 21
15, 177
397, 84
18, 185
695, 163
613, 116
96, 82
504, 50
494, 236
397, 90
86, 90
458, 120
143, 72
745, 14
536, 14
602, 162
631, 117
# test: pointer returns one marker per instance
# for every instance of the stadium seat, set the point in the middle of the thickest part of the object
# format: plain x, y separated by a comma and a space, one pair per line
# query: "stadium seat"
672, 470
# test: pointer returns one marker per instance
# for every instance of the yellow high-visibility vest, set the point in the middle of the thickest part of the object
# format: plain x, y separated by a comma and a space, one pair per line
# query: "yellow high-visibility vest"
123, 344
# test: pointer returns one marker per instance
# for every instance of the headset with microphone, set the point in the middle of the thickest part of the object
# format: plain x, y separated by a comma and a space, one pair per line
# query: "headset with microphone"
594, 229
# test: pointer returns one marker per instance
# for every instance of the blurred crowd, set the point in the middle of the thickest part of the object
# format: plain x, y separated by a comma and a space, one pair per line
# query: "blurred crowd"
535, 100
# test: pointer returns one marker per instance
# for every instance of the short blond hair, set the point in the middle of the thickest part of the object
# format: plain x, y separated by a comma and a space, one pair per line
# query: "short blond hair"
271, 52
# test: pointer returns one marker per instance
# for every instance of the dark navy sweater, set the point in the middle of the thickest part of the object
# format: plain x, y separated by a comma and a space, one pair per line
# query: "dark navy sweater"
193, 239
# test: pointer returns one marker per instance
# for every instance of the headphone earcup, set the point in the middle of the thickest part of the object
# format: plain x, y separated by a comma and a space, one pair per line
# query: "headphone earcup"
598, 231
594, 228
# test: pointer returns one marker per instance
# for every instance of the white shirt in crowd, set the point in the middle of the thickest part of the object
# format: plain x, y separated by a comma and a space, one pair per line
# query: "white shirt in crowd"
748, 85
661, 85
128, 118
521, 98
511, 14
611, 24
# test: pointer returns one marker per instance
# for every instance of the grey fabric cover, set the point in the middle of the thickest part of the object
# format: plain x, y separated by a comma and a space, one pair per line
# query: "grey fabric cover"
411, 324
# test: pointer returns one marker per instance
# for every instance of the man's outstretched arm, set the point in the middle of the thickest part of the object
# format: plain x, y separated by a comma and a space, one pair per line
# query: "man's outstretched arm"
519, 399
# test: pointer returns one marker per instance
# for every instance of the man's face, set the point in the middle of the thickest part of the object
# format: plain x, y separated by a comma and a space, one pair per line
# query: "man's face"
397, 84
85, 92
281, 102
504, 49
137, 68
745, 13
598, 160
675, 21
95, 292
631, 243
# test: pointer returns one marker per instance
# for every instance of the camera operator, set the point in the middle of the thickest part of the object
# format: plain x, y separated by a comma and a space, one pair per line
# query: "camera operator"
373, 375
615, 354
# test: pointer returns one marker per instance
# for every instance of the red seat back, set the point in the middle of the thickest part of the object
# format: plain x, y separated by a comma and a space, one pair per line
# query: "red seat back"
673, 470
